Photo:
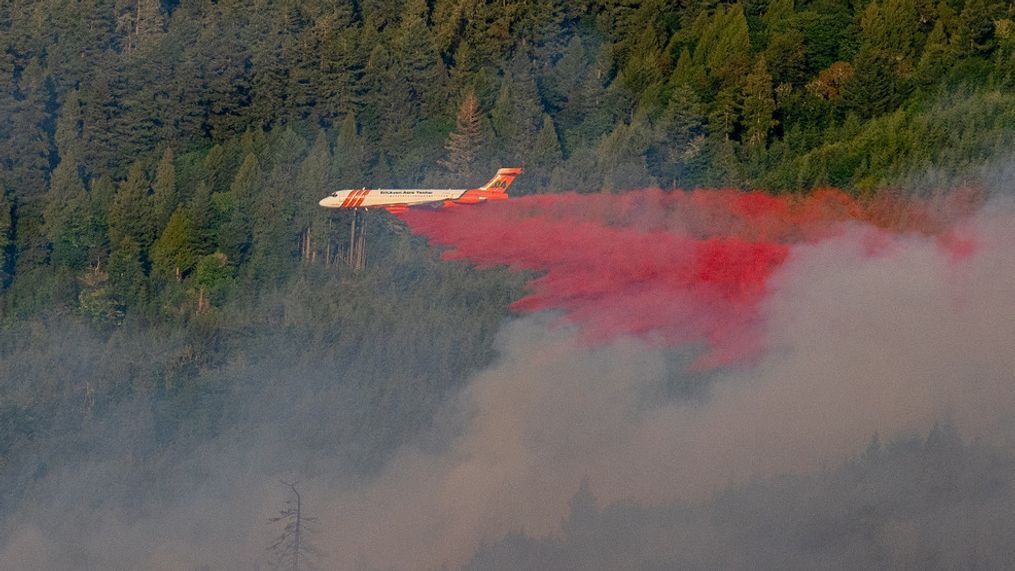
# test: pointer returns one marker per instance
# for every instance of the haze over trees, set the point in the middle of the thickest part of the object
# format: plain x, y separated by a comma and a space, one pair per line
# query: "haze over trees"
161, 247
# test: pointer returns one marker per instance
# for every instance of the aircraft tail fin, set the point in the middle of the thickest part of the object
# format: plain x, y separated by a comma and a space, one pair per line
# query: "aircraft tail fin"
502, 180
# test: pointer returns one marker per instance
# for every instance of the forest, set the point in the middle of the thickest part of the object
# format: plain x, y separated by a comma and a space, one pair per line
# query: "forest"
167, 278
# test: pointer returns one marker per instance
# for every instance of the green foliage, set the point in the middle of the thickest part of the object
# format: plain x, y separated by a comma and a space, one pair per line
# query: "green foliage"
466, 143
5, 240
127, 280
131, 214
214, 278
164, 197
759, 105
174, 253
877, 86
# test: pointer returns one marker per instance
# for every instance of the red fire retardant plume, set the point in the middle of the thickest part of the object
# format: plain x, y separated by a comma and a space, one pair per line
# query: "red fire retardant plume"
673, 267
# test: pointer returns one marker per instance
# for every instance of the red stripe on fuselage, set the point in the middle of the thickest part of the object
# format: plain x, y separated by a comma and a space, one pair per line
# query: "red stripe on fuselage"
348, 198
362, 197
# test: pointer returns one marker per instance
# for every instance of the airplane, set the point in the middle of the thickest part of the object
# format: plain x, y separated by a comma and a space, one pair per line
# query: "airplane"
396, 200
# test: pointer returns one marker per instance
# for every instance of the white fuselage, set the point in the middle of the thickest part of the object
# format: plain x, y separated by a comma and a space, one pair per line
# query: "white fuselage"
378, 197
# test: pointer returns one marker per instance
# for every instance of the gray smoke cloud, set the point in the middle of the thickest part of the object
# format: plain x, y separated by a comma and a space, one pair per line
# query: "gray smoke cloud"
863, 336
860, 343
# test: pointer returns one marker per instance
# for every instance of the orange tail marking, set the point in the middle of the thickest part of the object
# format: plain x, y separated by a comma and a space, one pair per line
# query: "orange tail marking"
502, 180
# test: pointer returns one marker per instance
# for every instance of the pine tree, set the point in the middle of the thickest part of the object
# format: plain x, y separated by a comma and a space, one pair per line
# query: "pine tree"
505, 128
223, 71
206, 215
6, 242
130, 215
875, 87
891, 27
175, 252
786, 56
67, 135
313, 181
164, 189
937, 58
688, 73
268, 79
421, 64
759, 105
976, 28
546, 155
26, 156
350, 154
465, 144
213, 277
143, 24
679, 152
723, 47
526, 106
126, 272
562, 82
66, 216
342, 63
246, 184
66, 213
379, 79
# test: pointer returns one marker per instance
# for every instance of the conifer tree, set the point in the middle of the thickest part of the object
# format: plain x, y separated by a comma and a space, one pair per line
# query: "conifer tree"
938, 56
341, 62
465, 144
223, 75
546, 155
246, 184
67, 135
723, 47
526, 106
562, 82
681, 135
314, 182
350, 154
875, 87
26, 155
384, 98
143, 24
101, 193
205, 215
6, 242
66, 212
502, 120
976, 28
213, 276
164, 189
786, 57
126, 272
175, 252
759, 105
419, 58
890, 27
66, 216
130, 214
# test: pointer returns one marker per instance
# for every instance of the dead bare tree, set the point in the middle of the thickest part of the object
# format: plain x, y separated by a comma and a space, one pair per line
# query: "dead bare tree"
292, 549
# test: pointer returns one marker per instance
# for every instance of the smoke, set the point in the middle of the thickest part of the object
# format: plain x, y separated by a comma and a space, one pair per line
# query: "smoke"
679, 267
674, 345
867, 332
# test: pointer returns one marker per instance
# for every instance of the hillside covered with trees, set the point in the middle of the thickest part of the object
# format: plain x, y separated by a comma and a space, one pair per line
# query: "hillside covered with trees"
163, 257
152, 147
